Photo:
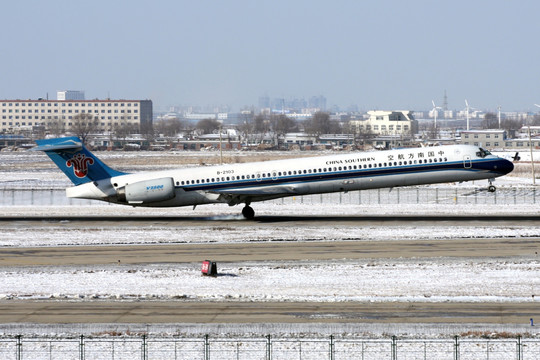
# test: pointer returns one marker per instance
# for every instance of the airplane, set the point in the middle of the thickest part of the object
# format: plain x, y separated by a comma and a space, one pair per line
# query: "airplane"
246, 183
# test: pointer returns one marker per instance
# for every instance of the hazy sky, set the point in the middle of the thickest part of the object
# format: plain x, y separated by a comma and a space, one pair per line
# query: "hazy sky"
391, 54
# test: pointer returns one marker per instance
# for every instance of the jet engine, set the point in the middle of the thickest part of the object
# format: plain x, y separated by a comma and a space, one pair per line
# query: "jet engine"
147, 191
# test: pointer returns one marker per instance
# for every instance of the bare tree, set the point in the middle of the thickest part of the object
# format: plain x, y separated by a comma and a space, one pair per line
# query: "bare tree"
261, 124
124, 129
535, 120
319, 124
56, 127
432, 131
281, 125
361, 136
169, 127
246, 128
83, 125
147, 131
208, 126
490, 121
511, 125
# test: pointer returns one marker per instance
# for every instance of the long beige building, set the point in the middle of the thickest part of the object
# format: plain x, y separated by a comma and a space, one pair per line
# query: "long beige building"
26, 114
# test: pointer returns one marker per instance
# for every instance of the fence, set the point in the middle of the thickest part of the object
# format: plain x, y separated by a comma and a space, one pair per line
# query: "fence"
414, 195
265, 348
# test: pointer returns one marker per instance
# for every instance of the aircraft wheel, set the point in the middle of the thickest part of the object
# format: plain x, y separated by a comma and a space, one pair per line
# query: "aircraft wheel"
248, 212
491, 188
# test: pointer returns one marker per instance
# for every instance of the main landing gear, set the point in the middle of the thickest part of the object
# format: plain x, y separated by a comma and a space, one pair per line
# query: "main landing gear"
248, 212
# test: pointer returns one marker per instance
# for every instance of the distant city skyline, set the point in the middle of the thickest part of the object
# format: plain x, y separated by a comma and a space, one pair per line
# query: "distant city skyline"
375, 55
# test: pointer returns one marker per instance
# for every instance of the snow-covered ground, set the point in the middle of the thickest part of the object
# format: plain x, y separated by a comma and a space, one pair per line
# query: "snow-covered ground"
386, 280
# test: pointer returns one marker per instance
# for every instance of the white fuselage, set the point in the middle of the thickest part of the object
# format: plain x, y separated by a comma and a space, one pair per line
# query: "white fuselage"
251, 182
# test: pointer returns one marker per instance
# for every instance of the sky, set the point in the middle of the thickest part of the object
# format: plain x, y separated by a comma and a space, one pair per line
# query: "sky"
385, 54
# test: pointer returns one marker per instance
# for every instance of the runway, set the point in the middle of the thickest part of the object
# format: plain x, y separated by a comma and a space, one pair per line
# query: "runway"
268, 251
58, 312
240, 221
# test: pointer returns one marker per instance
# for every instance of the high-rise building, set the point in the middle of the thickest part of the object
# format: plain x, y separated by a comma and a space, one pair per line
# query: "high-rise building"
317, 102
69, 95
264, 102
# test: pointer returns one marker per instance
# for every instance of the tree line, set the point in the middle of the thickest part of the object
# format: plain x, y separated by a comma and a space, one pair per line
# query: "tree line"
261, 125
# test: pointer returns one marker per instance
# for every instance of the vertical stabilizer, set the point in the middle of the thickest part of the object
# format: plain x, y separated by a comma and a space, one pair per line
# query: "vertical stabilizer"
74, 159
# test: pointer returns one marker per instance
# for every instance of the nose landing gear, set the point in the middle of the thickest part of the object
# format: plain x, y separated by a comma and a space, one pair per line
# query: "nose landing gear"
491, 187
248, 212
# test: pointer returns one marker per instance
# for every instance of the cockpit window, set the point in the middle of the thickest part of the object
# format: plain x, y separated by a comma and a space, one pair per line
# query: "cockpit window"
482, 153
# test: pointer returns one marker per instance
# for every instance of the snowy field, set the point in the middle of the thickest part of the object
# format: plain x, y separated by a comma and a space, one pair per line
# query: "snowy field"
386, 280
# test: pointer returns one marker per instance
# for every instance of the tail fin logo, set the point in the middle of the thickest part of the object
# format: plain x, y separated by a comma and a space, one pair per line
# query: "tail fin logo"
80, 163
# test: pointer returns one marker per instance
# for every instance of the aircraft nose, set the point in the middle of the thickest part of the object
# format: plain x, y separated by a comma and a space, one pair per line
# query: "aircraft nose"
504, 166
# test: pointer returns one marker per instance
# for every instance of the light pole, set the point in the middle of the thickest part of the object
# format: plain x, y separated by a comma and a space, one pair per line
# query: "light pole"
435, 113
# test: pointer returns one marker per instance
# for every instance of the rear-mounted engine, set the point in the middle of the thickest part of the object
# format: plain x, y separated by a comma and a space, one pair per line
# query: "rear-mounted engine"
148, 191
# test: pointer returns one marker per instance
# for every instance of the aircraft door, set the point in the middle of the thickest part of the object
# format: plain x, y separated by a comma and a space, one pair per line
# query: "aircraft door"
467, 162
274, 175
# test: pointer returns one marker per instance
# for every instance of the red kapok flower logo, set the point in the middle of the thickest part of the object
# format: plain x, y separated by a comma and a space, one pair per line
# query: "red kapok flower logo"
80, 164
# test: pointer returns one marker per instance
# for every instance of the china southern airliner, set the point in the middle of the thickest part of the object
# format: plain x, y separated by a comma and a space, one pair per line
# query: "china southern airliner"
235, 184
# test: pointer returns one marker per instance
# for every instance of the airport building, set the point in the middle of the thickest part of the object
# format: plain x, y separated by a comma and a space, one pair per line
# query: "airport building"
401, 123
497, 139
490, 139
19, 115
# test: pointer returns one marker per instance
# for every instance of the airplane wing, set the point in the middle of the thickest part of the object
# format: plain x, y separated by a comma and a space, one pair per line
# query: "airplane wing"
234, 196
259, 191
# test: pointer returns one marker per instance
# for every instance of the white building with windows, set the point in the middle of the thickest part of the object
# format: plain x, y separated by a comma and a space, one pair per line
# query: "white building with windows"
387, 123
17, 114
490, 139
